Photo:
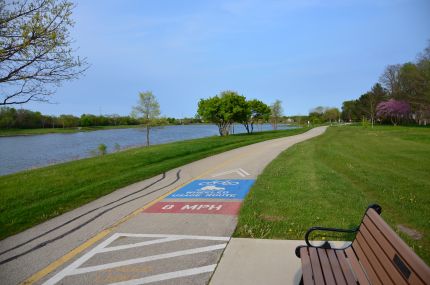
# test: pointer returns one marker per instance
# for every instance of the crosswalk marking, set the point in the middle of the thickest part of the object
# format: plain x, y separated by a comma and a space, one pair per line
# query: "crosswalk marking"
75, 269
147, 258
127, 246
167, 276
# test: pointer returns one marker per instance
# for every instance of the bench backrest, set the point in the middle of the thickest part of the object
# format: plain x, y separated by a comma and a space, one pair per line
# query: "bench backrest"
386, 258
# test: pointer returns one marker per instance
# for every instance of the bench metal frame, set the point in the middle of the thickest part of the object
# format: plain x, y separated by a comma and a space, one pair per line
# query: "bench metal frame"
377, 255
326, 244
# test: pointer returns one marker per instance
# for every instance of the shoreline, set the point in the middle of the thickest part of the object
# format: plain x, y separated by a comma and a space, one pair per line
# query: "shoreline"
45, 131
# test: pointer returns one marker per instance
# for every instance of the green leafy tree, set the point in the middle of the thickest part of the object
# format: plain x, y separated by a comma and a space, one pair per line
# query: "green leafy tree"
148, 110
69, 121
370, 100
316, 115
258, 112
88, 120
331, 114
7, 117
35, 49
349, 111
223, 110
276, 113
102, 149
415, 87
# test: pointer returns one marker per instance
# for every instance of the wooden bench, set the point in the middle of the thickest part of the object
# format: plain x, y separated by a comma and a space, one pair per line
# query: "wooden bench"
377, 255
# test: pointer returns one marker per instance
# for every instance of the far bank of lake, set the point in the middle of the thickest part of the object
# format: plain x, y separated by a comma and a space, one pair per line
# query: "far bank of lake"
18, 153
44, 131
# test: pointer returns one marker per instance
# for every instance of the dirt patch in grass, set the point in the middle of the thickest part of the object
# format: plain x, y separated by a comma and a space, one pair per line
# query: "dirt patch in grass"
271, 218
413, 234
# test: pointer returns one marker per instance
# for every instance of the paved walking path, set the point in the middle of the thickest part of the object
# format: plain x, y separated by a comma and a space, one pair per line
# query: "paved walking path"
170, 229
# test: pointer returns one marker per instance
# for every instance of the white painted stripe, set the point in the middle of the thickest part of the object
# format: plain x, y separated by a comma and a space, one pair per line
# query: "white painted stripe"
167, 276
238, 171
226, 172
133, 245
146, 259
175, 236
244, 172
66, 271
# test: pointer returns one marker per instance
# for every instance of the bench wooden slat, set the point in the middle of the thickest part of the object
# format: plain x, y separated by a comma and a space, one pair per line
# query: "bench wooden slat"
371, 275
407, 255
316, 266
325, 265
373, 260
346, 268
377, 246
356, 267
336, 268
306, 266
389, 249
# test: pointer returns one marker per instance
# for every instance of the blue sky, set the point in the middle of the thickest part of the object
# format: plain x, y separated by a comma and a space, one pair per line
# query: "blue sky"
305, 53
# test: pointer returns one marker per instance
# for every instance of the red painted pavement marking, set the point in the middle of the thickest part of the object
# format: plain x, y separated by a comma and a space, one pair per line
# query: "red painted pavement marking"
223, 208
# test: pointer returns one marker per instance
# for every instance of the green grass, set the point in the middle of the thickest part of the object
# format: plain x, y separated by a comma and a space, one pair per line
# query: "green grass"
331, 179
28, 132
31, 197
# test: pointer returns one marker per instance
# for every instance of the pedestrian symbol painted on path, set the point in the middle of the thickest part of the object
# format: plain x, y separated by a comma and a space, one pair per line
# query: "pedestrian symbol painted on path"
214, 189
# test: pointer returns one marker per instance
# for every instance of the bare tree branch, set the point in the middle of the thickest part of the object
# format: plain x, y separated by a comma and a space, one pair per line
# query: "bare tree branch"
35, 49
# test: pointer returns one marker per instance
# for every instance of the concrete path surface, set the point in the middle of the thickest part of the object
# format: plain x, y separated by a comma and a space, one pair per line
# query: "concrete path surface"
261, 261
170, 229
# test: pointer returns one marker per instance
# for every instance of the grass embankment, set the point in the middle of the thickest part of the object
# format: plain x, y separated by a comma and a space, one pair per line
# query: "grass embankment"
331, 179
31, 197
42, 131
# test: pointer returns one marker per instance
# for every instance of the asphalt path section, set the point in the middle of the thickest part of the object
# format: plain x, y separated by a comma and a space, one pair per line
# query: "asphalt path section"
169, 229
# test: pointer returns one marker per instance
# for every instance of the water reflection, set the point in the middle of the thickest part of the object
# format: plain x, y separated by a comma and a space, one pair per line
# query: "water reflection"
24, 152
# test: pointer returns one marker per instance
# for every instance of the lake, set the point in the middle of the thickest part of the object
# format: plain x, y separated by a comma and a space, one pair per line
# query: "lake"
24, 152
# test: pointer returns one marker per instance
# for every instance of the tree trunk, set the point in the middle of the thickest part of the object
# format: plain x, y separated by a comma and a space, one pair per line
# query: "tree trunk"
219, 129
147, 134
246, 125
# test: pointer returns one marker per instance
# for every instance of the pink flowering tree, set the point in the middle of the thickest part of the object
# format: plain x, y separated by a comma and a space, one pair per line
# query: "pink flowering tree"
393, 110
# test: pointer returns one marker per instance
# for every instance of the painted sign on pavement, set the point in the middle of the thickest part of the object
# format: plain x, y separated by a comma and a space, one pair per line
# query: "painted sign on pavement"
214, 189
221, 208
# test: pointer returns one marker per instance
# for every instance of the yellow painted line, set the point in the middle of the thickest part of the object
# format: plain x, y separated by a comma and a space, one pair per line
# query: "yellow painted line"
54, 265
59, 262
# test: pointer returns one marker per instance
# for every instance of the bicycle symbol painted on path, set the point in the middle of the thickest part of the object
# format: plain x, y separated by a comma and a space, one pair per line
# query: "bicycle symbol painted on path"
219, 182
214, 189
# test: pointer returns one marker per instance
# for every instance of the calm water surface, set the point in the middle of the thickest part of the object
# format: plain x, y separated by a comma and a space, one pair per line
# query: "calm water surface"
24, 152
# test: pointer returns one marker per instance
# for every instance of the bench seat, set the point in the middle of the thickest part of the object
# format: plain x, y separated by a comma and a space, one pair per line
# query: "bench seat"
376, 256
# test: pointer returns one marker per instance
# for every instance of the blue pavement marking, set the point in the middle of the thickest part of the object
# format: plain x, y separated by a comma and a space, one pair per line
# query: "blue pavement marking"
214, 189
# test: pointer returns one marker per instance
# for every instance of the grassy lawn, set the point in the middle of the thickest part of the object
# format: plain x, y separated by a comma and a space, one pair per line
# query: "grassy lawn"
330, 180
28, 132
31, 197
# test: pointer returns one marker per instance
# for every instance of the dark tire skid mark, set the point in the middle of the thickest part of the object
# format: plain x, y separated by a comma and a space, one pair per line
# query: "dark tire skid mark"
40, 245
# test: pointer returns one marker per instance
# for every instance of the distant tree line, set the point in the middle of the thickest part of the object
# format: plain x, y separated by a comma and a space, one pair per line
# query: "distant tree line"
26, 119
402, 95
322, 114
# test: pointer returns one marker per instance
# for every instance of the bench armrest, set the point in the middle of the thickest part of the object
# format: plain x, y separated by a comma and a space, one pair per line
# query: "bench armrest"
326, 244
354, 230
